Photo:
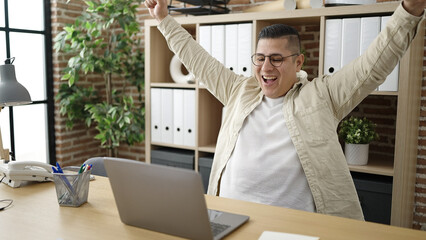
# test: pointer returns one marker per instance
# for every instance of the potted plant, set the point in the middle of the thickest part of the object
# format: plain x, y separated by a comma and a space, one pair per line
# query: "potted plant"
102, 44
357, 133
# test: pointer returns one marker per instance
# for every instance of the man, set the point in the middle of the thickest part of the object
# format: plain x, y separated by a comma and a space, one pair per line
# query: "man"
278, 143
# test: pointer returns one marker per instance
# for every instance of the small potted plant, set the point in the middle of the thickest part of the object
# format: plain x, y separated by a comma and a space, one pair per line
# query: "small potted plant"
357, 133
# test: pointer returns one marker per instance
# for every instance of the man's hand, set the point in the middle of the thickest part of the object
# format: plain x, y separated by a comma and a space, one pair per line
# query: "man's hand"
157, 9
414, 7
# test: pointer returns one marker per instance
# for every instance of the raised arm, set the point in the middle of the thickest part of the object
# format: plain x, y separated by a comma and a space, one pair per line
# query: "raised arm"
219, 80
351, 84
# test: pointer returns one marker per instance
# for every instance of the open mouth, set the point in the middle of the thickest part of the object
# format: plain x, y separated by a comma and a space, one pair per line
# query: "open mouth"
269, 79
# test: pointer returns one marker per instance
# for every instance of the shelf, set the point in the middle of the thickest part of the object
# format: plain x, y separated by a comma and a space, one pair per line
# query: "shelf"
384, 93
173, 85
297, 16
374, 166
201, 7
199, 10
207, 148
204, 2
172, 146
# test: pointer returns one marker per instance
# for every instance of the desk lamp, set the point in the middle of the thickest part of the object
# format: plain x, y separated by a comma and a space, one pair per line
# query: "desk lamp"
12, 93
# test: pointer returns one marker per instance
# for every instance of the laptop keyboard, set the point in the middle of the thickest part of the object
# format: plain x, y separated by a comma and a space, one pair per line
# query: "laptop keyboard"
218, 228
213, 214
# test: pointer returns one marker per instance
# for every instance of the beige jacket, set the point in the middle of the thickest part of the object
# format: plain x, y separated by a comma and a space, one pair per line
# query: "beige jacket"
312, 109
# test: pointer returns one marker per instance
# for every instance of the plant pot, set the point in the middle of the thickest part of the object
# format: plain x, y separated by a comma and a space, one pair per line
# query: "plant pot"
356, 154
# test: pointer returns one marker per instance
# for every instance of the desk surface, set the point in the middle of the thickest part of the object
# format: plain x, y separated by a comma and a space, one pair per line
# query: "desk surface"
35, 214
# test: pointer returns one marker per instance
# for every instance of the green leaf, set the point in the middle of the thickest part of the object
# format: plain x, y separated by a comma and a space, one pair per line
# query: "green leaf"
127, 120
66, 76
90, 4
71, 80
69, 29
357, 130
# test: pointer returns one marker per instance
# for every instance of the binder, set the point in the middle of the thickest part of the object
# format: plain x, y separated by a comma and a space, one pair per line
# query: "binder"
231, 48
167, 115
333, 45
370, 28
391, 82
178, 108
189, 118
218, 42
244, 49
205, 38
351, 30
155, 114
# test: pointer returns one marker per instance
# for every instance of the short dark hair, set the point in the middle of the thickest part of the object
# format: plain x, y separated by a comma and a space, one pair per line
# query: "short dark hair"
282, 30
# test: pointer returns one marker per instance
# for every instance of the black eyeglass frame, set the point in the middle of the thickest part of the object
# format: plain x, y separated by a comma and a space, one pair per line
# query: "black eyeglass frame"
272, 62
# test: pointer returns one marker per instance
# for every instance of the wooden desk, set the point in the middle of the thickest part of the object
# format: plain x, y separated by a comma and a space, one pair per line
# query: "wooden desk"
35, 214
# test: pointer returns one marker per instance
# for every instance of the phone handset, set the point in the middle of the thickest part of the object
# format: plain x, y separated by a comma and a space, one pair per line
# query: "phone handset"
27, 165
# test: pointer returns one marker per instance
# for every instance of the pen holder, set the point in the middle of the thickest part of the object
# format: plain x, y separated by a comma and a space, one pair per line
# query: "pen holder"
72, 188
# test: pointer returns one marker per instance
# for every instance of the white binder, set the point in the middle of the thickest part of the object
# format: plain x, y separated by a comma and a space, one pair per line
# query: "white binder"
351, 30
370, 28
218, 42
189, 118
155, 114
244, 49
333, 45
231, 48
178, 108
205, 38
167, 115
391, 82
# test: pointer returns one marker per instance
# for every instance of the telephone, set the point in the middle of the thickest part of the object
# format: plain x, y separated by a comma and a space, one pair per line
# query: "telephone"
14, 173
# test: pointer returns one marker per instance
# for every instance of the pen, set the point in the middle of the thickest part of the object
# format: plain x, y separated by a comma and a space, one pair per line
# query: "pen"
82, 168
59, 168
88, 167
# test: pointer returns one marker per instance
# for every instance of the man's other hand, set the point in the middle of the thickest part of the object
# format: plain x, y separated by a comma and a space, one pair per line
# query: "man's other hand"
157, 9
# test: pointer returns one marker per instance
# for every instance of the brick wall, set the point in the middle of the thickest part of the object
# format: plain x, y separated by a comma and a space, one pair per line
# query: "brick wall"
73, 147
420, 192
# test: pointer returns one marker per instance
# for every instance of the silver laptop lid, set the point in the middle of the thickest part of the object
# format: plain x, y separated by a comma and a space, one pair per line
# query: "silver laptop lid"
159, 198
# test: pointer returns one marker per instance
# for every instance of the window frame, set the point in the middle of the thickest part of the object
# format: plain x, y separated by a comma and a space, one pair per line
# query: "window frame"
49, 101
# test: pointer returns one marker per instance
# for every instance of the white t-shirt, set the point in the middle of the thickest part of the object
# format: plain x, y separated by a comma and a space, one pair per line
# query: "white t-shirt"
264, 166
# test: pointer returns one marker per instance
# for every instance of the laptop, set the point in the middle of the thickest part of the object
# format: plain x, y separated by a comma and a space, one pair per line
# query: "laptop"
166, 199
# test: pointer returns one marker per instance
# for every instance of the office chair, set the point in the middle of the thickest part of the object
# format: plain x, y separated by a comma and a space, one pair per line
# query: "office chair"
98, 165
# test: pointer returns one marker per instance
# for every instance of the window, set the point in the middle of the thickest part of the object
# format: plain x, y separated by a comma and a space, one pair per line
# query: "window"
28, 131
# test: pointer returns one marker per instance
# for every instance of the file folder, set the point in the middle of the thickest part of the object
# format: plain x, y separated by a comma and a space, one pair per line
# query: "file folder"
391, 82
218, 42
351, 30
156, 115
370, 28
205, 38
178, 108
333, 45
231, 47
189, 118
167, 115
244, 49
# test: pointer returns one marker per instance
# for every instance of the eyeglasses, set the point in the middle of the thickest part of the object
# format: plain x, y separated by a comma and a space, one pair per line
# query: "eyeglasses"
275, 59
